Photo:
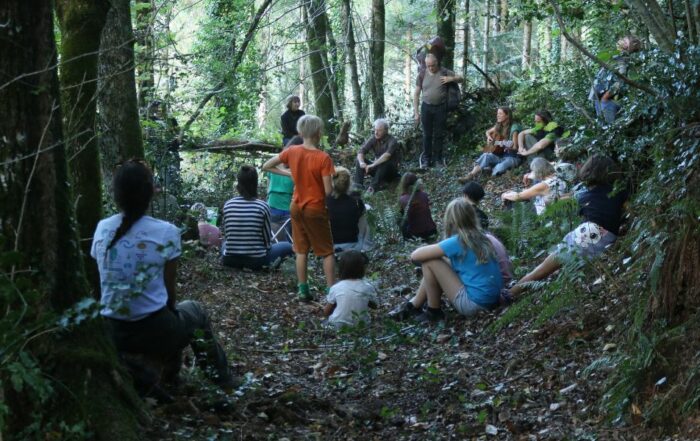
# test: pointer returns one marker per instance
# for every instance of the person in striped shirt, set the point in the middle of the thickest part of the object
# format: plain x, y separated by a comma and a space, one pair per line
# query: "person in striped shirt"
246, 228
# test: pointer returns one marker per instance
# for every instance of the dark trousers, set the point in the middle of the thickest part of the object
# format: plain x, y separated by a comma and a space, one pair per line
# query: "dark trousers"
381, 175
434, 119
165, 333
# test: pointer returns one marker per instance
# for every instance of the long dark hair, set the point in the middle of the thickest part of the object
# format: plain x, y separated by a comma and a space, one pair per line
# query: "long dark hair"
133, 190
503, 129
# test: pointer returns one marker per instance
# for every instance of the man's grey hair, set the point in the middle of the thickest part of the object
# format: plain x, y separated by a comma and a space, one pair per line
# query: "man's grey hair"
432, 57
383, 122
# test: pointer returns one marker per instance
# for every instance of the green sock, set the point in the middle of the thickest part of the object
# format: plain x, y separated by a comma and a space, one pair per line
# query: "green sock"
303, 288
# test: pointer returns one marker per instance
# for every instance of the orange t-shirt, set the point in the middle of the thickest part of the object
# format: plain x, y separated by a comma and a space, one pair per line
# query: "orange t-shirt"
308, 167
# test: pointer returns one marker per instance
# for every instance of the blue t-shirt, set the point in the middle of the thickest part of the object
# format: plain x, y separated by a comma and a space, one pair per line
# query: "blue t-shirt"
483, 281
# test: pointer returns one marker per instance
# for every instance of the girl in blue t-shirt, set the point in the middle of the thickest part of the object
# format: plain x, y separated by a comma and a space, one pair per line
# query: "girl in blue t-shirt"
464, 266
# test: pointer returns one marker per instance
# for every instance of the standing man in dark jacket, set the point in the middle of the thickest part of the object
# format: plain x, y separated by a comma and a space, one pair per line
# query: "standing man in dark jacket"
385, 167
432, 113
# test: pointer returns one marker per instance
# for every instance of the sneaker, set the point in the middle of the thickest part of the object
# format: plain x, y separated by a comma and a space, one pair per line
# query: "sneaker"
430, 316
305, 297
404, 312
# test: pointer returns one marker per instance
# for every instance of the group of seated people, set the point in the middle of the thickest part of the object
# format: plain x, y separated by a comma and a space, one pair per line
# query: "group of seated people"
137, 254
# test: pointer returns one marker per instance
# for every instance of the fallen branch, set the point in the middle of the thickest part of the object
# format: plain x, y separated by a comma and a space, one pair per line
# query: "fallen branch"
234, 145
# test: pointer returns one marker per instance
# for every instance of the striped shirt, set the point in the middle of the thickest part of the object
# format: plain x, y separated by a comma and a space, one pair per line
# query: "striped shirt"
246, 227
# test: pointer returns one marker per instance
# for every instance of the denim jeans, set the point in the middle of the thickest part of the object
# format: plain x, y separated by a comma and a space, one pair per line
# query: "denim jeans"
434, 119
277, 251
498, 164
606, 110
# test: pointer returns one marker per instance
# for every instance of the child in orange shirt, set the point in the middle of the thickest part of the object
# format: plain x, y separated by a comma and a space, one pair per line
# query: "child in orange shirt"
311, 170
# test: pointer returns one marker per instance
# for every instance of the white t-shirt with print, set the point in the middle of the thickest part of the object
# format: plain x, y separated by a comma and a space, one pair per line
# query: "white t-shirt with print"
351, 298
132, 271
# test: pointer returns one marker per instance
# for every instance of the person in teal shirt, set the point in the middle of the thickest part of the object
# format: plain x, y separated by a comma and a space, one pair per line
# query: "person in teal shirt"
279, 196
472, 279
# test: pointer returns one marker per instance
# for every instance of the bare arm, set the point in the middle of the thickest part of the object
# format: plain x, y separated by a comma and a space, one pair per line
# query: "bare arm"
525, 195
328, 185
170, 276
416, 103
328, 309
361, 159
385, 157
540, 145
428, 252
271, 166
490, 132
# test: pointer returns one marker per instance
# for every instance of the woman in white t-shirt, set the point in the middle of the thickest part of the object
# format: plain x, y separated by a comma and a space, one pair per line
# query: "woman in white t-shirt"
137, 259
348, 300
549, 188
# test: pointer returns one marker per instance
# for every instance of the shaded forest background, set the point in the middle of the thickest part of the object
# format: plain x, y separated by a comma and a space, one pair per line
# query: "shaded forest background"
86, 84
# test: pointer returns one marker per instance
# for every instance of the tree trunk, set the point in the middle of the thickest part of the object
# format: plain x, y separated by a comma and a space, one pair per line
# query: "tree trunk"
408, 65
527, 44
335, 71
654, 18
546, 50
81, 24
316, 40
38, 221
690, 26
352, 63
504, 15
376, 70
118, 119
145, 53
487, 35
564, 46
465, 42
446, 15
696, 19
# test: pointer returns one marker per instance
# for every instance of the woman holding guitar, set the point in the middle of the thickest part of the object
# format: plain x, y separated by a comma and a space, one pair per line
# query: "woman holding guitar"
501, 150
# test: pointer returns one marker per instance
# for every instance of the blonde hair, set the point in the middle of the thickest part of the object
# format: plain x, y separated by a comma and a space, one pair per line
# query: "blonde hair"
541, 168
461, 221
310, 126
341, 182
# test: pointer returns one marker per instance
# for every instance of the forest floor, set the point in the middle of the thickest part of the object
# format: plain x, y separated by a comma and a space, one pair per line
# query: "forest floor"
462, 379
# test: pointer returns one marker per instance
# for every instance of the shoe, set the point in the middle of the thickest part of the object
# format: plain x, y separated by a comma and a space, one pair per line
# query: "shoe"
305, 297
506, 298
403, 312
430, 316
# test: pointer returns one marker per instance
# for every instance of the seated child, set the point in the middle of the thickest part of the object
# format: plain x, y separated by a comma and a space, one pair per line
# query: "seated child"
347, 214
209, 235
416, 220
474, 193
464, 267
348, 300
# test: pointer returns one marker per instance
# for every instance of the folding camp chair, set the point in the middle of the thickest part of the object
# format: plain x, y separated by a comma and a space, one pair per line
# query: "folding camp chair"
283, 230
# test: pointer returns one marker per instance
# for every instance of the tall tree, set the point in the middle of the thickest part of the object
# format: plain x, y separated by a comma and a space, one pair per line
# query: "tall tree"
446, 16
120, 130
487, 37
316, 24
81, 24
527, 44
376, 62
465, 36
351, 56
145, 53
38, 221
